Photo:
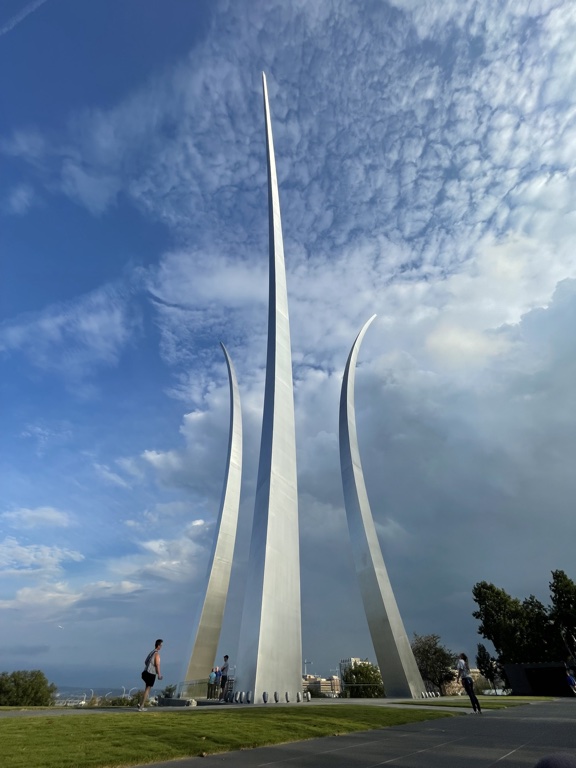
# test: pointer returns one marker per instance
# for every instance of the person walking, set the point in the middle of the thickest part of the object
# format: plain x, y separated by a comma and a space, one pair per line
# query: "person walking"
463, 674
150, 673
224, 678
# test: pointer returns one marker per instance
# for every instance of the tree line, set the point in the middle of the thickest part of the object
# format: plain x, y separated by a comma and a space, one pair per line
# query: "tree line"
26, 688
524, 631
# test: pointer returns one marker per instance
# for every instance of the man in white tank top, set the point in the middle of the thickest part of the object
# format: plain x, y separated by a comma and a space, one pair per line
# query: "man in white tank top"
151, 671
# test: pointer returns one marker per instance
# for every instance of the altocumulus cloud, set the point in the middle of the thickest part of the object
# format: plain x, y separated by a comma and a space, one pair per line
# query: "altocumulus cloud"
35, 559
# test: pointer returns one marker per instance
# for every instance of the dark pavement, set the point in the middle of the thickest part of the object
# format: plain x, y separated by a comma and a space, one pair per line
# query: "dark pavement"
513, 738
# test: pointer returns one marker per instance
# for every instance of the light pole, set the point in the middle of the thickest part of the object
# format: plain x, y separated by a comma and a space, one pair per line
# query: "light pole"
306, 662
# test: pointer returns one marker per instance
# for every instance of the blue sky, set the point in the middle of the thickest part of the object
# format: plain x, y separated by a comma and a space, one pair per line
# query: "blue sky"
425, 157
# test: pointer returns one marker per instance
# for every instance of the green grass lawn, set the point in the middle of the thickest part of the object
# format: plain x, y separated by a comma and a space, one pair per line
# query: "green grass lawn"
129, 738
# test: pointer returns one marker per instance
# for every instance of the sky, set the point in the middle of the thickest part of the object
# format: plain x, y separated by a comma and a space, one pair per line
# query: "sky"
426, 164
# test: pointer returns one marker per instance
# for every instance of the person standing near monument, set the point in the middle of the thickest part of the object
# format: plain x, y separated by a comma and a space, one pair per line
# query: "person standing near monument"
150, 673
224, 678
212, 683
463, 674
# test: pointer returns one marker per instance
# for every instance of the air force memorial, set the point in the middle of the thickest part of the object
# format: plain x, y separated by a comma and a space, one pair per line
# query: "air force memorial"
269, 657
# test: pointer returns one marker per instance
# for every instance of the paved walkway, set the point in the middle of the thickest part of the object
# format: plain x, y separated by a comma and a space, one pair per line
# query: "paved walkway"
513, 738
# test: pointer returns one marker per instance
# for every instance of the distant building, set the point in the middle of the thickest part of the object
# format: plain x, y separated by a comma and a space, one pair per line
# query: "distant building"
347, 663
328, 687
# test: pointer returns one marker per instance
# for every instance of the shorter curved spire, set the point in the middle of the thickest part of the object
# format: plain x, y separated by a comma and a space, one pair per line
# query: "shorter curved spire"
397, 664
208, 620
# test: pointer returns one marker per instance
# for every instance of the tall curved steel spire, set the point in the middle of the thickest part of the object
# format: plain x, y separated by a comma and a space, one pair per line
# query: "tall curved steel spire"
398, 667
270, 645
208, 620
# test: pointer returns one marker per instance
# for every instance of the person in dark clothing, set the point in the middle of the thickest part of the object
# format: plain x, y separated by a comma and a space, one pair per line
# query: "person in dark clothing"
224, 678
463, 674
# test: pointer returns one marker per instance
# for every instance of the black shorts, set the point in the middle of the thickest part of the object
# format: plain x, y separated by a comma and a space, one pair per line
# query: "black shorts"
223, 681
148, 678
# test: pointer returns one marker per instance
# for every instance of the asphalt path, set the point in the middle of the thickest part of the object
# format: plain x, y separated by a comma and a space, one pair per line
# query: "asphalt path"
513, 738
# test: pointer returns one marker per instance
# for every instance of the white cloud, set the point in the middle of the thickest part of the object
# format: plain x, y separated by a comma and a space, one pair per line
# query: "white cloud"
93, 189
40, 516
44, 600
57, 598
75, 338
464, 347
131, 466
47, 435
19, 17
33, 559
103, 589
181, 560
109, 476
19, 200
28, 144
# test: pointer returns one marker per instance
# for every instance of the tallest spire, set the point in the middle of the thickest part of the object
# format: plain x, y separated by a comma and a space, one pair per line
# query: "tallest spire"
270, 646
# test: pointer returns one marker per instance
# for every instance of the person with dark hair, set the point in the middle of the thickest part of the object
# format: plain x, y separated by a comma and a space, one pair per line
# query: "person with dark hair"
151, 671
463, 674
223, 679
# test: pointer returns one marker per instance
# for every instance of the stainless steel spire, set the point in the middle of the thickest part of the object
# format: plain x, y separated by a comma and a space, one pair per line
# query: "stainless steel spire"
270, 646
398, 667
208, 620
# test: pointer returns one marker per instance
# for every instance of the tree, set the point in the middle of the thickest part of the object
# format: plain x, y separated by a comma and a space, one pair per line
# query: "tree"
500, 619
26, 689
435, 662
487, 665
480, 685
563, 610
363, 680
527, 630
541, 639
